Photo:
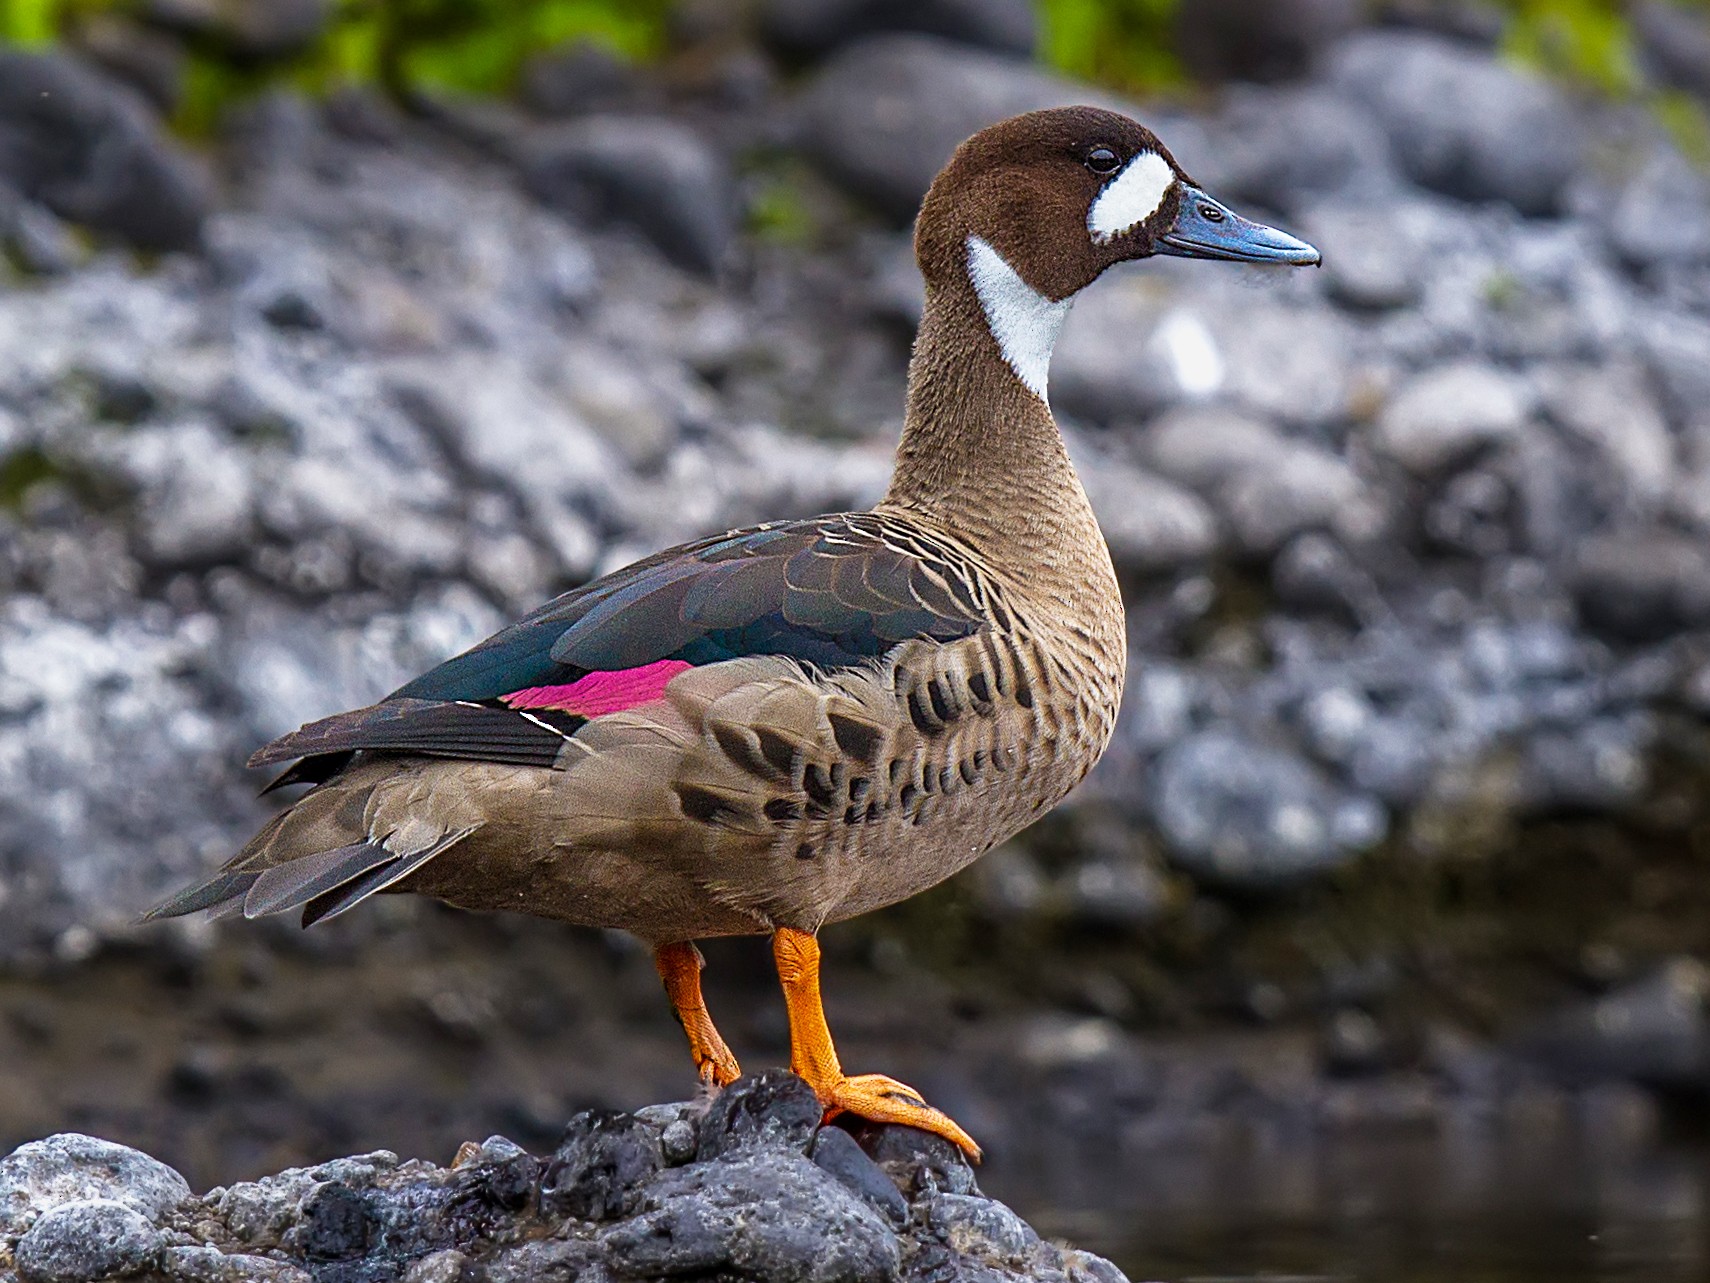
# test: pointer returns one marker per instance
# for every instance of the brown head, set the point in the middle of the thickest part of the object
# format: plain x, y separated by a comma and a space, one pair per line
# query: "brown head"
1033, 209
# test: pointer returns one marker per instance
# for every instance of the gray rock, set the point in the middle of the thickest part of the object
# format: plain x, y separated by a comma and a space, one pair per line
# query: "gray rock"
981, 1228
768, 1216
814, 28
210, 1265
1675, 41
1610, 408
884, 114
1149, 524
251, 29
86, 148
1305, 489
35, 238
1643, 585
653, 175
1260, 39
775, 1109
578, 79
1371, 263
86, 1241
1654, 1030
1283, 148
1442, 416
1287, 363
1205, 446
1461, 122
151, 62
1660, 214
600, 1165
1254, 816
69, 1168
1602, 767
835, 1150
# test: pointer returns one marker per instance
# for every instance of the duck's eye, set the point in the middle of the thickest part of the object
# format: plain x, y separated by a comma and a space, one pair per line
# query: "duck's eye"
1211, 213
1103, 160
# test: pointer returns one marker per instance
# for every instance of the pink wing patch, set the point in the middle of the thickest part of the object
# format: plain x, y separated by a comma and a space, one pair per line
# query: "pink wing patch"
601, 693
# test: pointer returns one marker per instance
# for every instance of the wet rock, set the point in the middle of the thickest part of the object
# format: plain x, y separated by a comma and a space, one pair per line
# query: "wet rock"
36, 239
1259, 39
1461, 122
775, 1109
814, 28
918, 1162
835, 1150
68, 1168
766, 1215
599, 1166
1442, 416
759, 1209
1256, 817
336, 1223
1655, 1030
254, 29
210, 1265
80, 1242
980, 1227
884, 114
87, 148
653, 175
1644, 585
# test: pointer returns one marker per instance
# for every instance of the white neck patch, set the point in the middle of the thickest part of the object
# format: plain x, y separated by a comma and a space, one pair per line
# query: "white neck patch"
1023, 321
1131, 197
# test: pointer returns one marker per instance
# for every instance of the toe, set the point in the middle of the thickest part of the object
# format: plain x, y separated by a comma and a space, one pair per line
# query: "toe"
885, 1100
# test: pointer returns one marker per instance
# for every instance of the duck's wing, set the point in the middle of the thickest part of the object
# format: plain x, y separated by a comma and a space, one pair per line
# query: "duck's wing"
828, 592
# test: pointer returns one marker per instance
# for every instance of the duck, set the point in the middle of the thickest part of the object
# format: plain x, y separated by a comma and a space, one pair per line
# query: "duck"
781, 727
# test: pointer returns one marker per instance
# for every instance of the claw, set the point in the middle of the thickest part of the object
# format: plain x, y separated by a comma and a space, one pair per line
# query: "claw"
885, 1100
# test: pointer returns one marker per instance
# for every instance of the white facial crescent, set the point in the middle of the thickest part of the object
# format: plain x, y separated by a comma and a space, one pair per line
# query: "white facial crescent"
1131, 197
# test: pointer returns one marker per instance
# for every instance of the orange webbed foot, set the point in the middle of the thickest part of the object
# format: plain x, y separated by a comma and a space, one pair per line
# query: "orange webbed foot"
814, 1057
884, 1100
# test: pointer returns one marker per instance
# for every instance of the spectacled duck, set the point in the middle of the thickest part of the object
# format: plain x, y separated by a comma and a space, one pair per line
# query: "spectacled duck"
780, 727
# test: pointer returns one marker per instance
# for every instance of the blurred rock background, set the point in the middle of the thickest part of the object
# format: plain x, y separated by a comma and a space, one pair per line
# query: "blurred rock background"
332, 335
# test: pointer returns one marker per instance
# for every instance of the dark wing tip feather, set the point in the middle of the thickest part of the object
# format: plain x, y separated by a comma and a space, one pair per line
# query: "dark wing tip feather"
222, 888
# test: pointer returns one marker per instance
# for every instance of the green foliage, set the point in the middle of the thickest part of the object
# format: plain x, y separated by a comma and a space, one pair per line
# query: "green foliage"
1587, 41
29, 22
1128, 44
469, 46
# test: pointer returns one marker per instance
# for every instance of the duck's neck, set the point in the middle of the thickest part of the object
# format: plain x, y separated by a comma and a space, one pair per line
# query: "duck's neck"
980, 453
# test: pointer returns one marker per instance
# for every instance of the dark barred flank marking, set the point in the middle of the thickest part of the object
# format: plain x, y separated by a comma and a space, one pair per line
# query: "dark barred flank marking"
860, 740
705, 805
777, 750
744, 751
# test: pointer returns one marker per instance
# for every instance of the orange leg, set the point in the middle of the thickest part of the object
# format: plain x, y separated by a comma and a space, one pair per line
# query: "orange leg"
813, 1056
680, 968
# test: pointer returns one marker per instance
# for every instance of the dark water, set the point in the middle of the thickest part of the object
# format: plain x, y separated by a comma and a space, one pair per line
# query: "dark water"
1545, 1205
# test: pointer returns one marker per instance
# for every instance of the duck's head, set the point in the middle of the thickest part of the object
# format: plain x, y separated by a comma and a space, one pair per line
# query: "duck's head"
1033, 209
1061, 195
